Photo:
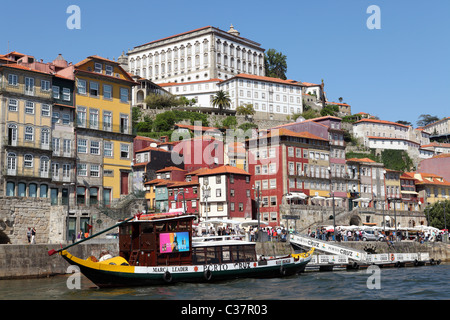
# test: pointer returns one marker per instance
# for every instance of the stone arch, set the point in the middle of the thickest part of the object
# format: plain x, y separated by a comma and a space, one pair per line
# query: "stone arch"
355, 220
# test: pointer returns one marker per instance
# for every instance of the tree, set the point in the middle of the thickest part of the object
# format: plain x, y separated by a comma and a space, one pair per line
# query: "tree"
221, 100
161, 101
396, 160
229, 122
245, 110
425, 119
164, 121
275, 64
436, 214
406, 123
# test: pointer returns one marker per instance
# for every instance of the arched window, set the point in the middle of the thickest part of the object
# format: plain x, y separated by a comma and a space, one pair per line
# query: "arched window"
43, 191
11, 159
10, 189
32, 190
44, 167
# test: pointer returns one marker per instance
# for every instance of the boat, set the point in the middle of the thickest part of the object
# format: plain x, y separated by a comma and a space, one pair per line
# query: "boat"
159, 249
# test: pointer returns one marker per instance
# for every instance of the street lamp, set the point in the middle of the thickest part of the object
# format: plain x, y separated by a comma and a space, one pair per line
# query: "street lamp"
258, 237
68, 208
206, 194
184, 200
334, 210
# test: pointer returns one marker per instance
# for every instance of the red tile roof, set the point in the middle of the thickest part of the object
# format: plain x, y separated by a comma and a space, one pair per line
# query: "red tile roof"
223, 170
382, 122
167, 169
263, 78
361, 160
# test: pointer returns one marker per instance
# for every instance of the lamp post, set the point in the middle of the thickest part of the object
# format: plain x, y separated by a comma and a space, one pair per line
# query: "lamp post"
395, 216
68, 208
334, 210
184, 200
206, 190
258, 236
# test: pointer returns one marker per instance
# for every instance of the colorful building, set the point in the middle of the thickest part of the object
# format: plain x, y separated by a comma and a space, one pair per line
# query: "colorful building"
104, 135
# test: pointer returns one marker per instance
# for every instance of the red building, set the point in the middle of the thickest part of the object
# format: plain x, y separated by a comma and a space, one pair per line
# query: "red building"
277, 163
182, 193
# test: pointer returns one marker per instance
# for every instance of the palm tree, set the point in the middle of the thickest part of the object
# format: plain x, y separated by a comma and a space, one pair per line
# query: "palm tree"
221, 100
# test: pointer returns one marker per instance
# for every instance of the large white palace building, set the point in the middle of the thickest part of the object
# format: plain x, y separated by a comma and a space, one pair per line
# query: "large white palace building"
198, 63
201, 54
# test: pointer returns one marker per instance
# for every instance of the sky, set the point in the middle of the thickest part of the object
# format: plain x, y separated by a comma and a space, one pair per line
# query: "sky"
396, 72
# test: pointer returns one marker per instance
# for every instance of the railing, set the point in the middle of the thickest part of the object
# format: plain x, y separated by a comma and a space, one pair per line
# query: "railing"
25, 90
26, 172
107, 127
22, 143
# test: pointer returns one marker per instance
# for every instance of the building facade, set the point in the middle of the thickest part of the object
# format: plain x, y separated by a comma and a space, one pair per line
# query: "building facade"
197, 55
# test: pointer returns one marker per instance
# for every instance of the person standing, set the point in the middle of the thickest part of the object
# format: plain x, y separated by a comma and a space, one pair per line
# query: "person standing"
33, 235
29, 235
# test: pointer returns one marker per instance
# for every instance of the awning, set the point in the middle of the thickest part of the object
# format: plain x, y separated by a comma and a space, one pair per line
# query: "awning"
296, 195
409, 192
362, 200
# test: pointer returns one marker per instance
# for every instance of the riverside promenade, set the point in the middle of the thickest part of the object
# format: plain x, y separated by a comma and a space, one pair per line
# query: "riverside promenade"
33, 261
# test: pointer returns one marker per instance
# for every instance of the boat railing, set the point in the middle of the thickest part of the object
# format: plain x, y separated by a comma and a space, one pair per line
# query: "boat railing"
218, 238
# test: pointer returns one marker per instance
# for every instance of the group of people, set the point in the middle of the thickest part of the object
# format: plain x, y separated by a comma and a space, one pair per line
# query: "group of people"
273, 234
31, 235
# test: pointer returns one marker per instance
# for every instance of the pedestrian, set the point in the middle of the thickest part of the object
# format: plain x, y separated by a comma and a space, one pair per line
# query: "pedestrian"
252, 235
33, 235
29, 235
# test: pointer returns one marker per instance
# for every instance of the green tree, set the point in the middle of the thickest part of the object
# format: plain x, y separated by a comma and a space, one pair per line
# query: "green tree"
245, 110
275, 64
396, 160
435, 213
161, 101
164, 121
229, 122
221, 100
247, 125
425, 119
329, 110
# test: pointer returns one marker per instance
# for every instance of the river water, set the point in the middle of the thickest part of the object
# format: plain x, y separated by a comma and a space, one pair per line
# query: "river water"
412, 283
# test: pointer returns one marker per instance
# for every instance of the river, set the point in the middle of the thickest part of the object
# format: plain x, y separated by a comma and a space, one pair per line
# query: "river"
412, 283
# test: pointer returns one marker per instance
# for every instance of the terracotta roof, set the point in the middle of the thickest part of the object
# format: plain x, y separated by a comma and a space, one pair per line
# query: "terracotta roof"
155, 181
289, 133
196, 172
21, 67
224, 170
361, 160
263, 78
167, 169
151, 149
436, 144
382, 122
176, 184
309, 84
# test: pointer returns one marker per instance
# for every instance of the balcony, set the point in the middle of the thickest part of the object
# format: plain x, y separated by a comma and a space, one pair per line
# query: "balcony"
106, 127
22, 143
21, 89
32, 173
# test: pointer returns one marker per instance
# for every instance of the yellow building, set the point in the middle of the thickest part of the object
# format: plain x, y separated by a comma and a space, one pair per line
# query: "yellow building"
26, 103
432, 188
103, 127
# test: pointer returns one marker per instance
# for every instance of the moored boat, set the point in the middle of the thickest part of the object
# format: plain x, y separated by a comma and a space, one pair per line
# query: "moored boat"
160, 250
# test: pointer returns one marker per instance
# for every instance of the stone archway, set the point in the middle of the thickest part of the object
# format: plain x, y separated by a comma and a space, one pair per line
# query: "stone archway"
355, 220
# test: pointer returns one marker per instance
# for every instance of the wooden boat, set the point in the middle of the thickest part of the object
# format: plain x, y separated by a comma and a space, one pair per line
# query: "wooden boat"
160, 250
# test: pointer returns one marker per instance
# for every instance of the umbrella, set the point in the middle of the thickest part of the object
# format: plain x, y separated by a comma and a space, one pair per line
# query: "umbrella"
329, 229
251, 223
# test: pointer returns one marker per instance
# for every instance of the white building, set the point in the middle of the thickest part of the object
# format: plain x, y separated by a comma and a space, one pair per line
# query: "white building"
272, 98
197, 55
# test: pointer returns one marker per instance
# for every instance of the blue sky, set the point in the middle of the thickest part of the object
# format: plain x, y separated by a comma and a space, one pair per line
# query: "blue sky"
396, 73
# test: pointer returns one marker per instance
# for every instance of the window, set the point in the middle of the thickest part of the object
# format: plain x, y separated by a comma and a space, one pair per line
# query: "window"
29, 86
124, 151
241, 207
82, 145
55, 117
82, 169
32, 190
28, 161
45, 85
66, 118
44, 167
81, 192
66, 171
67, 146
107, 120
123, 95
45, 138
108, 149
218, 193
109, 70
232, 206
12, 105
45, 110
11, 163
12, 79
95, 170
21, 189
66, 94
55, 170
107, 92
273, 201
81, 86
29, 107
95, 147
93, 118
29, 133
98, 67
55, 90
81, 116
93, 89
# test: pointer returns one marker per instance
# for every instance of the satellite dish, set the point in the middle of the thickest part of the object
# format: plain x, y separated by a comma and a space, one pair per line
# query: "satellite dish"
153, 145
300, 119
